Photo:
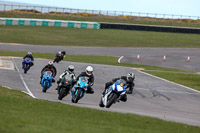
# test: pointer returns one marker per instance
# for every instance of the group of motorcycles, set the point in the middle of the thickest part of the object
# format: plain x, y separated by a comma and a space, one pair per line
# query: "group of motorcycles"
111, 96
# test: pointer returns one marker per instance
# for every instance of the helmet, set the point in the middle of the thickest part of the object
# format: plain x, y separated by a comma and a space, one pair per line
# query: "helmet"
130, 76
89, 70
29, 53
63, 52
71, 68
59, 52
50, 63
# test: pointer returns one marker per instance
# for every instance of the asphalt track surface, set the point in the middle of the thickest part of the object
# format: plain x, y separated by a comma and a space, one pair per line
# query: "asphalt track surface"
152, 96
175, 57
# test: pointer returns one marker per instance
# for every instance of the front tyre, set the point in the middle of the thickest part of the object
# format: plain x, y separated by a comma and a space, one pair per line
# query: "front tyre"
111, 99
101, 103
77, 96
45, 87
62, 93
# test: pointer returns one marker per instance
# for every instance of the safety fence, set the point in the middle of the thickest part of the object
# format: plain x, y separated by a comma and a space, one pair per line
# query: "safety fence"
48, 22
86, 12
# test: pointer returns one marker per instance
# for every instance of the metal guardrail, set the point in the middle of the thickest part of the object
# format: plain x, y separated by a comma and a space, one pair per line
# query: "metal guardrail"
45, 9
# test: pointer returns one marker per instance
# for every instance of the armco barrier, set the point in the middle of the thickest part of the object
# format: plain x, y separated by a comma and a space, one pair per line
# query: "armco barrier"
150, 28
48, 22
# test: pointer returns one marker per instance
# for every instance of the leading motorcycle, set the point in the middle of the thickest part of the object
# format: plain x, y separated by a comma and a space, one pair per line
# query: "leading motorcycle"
26, 64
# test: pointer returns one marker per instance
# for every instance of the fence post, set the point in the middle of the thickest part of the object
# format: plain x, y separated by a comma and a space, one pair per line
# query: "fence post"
4, 8
41, 9
12, 8
26, 9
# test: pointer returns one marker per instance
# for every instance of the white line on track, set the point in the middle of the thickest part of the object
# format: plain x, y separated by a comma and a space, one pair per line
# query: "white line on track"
170, 81
119, 60
29, 92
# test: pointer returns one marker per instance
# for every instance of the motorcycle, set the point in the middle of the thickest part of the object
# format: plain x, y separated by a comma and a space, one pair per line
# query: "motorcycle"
79, 89
113, 93
46, 81
64, 86
26, 64
58, 58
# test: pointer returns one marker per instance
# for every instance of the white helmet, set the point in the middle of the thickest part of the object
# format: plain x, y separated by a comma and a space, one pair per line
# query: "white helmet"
59, 52
29, 53
50, 63
131, 76
71, 68
89, 70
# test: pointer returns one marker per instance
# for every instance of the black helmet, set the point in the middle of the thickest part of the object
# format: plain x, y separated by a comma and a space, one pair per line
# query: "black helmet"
71, 68
63, 52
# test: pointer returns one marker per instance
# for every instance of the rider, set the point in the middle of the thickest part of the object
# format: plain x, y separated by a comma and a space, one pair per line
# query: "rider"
89, 74
29, 55
60, 55
70, 72
49, 67
129, 82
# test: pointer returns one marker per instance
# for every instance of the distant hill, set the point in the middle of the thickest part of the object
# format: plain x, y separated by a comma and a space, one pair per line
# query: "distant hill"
17, 3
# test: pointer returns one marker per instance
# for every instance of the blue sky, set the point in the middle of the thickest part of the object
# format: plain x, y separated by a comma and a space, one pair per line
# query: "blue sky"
178, 7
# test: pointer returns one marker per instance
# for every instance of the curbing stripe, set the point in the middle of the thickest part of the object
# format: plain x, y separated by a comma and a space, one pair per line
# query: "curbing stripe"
29, 92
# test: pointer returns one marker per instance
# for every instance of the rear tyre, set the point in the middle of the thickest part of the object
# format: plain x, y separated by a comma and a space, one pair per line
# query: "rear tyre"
111, 99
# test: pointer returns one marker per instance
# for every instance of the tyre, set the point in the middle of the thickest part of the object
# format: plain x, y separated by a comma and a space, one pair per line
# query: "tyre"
101, 103
77, 96
62, 93
45, 87
111, 99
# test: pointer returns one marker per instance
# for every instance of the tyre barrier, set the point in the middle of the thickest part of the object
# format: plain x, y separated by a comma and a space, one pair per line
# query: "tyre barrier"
150, 28
49, 22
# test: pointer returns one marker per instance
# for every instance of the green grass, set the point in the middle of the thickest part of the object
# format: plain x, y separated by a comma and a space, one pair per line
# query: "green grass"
21, 114
184, 77
96, 38
103, 19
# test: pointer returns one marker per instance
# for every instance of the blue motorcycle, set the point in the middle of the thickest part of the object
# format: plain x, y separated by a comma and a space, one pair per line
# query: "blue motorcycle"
46, 81
113, 94
79, 89
26, 64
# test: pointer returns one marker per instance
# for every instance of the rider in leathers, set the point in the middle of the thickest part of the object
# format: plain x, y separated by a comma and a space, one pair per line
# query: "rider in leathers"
70, 72
130, 84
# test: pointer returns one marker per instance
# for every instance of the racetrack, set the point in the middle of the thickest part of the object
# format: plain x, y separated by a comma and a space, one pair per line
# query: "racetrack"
151, 97
175, 57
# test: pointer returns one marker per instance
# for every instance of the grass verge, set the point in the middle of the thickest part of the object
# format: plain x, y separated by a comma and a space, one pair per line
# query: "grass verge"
96, 38
19, 113
187, 78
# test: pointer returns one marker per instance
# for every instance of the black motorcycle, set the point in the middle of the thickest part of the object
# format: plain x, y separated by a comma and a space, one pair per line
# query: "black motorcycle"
64, 86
